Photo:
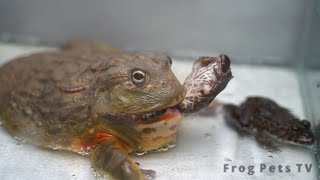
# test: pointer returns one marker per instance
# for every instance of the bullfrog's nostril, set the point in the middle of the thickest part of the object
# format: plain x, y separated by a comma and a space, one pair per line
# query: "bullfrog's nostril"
163, 84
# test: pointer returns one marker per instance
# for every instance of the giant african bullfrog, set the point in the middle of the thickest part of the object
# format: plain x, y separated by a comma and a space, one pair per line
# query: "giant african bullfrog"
268, 121
104, 102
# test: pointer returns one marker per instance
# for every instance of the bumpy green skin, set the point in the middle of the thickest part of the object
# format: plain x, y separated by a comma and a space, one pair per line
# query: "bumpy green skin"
58, 99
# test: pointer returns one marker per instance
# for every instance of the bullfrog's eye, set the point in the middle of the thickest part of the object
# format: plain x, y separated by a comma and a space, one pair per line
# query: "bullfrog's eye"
138, 77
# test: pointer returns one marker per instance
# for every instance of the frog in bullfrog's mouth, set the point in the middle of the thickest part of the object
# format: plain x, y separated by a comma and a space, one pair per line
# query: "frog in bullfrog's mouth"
104, 103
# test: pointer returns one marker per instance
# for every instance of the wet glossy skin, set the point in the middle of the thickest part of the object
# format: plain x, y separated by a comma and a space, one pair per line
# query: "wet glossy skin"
84, 102
267, 120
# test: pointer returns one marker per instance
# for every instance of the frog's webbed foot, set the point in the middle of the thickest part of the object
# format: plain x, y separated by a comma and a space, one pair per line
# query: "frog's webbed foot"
88, 46
266, 142
109, 159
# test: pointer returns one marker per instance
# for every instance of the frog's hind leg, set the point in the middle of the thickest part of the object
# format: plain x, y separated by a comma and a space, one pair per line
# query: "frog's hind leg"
264, 140
109, 159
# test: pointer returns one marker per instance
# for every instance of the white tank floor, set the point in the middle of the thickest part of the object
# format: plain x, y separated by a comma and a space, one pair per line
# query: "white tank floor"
205, 144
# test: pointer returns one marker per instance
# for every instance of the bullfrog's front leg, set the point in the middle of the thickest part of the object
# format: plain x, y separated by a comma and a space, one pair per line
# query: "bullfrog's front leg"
110, 159
88, 46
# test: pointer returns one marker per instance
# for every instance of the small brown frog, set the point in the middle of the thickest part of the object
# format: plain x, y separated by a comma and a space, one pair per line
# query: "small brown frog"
267, 120
104, 103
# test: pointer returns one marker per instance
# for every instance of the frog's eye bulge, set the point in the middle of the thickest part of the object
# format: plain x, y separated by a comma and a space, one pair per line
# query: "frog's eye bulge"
138, 77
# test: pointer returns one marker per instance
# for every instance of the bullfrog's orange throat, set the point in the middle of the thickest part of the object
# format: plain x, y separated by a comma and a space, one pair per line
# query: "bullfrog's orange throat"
89, 140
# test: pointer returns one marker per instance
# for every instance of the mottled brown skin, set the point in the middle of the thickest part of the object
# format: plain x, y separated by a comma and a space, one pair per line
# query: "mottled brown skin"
89, 103
268, 120
209, 76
